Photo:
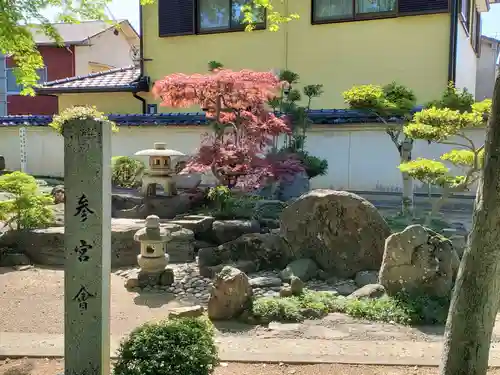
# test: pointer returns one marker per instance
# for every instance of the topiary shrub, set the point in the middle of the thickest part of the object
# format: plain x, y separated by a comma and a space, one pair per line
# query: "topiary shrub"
28, 208
126, 171
183, 346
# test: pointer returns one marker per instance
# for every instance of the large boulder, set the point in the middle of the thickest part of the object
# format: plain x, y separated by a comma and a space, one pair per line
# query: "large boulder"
342, 232
229, 230
231, 294
418, 260
181, 247
201, 225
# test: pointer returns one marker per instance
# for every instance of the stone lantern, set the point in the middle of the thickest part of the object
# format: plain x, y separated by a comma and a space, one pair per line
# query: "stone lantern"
153, 258
160, 170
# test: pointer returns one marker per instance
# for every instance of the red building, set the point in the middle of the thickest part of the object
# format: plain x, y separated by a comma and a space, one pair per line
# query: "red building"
59, 63
86, 46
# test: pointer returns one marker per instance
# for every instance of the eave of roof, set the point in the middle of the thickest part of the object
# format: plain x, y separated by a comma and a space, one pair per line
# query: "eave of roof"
85, 40
87, 90
135, 84
318, 117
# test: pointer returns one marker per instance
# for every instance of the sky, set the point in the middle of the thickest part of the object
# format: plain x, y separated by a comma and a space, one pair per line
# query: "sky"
128, 9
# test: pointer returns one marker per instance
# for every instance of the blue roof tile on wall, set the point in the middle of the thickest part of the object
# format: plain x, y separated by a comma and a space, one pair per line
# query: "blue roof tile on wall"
317, 116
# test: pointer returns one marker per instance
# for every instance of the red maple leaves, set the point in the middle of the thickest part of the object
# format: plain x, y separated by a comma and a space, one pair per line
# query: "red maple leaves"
240, 150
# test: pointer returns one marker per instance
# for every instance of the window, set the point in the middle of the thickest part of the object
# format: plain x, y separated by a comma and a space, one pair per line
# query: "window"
224, 15
326, 11
14, 88
465, 8
189, 17
331, 10
476, 32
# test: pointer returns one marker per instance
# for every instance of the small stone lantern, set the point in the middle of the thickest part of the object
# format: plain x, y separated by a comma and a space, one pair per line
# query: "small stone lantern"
153, 257
160, 170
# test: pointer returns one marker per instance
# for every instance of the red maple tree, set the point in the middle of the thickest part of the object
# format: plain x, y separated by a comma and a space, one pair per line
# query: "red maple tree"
244, 128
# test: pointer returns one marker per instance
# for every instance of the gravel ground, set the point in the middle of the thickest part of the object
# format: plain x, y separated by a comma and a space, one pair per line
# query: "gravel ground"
32, 301
55, 367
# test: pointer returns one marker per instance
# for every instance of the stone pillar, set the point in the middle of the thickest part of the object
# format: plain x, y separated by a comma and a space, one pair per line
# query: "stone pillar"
87, 228
22, 148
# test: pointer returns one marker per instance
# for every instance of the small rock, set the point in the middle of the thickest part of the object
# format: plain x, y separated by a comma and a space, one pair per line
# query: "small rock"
304, 269
286, 292
167, 277
368, 291
14, 259
264, 281
148, 279
23, 268
186, 312
230, 295
246, 266
366, 277
296, 286
323, 275
346, 287
132, 283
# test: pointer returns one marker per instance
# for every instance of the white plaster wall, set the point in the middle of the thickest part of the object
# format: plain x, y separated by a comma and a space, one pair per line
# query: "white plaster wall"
486, 70
105, 48
466, 62
359, 158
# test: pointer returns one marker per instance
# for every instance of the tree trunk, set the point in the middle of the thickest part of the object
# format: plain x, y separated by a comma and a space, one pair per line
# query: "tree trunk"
436, 206
407, 199
476, 294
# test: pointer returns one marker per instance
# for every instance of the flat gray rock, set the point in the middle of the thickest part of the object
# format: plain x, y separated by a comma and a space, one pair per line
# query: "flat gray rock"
264, 281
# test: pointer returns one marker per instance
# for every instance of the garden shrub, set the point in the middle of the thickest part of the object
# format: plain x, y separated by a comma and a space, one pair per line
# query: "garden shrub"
126, 171
402, 309
28, 208
183, 346
228, 206
398, 223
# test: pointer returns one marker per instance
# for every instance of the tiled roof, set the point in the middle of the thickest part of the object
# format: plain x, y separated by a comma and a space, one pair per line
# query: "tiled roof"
120, 79
318, 117
75, 33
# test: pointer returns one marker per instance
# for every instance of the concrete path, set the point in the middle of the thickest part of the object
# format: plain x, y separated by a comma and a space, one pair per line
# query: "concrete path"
252, 349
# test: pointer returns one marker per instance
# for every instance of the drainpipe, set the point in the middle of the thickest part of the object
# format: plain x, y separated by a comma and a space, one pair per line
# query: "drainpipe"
141, 42
452, 65
143, 101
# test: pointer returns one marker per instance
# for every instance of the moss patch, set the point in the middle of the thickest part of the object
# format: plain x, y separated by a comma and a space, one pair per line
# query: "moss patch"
403, 309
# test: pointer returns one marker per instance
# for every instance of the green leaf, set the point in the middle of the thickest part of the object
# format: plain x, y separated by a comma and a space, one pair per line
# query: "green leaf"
459, 157
438, 124
426, 170
390, 100
79, 113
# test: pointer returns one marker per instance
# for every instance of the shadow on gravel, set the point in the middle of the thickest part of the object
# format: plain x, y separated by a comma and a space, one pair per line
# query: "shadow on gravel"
232, 327
154, 300
436, 330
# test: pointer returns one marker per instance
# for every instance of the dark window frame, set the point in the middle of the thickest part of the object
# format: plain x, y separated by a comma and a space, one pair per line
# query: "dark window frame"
466, 17
230, 29
476, 33
355, 16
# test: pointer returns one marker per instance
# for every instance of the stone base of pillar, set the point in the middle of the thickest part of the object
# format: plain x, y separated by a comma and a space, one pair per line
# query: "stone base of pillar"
144, 279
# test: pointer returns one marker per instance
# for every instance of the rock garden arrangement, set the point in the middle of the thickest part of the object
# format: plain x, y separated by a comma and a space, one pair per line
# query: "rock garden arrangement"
259, 260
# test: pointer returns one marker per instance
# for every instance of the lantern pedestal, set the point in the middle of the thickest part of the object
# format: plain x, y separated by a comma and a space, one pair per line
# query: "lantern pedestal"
153, 259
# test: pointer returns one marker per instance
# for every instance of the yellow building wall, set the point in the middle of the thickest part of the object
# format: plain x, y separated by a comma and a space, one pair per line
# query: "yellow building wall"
106, 102
410, 50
